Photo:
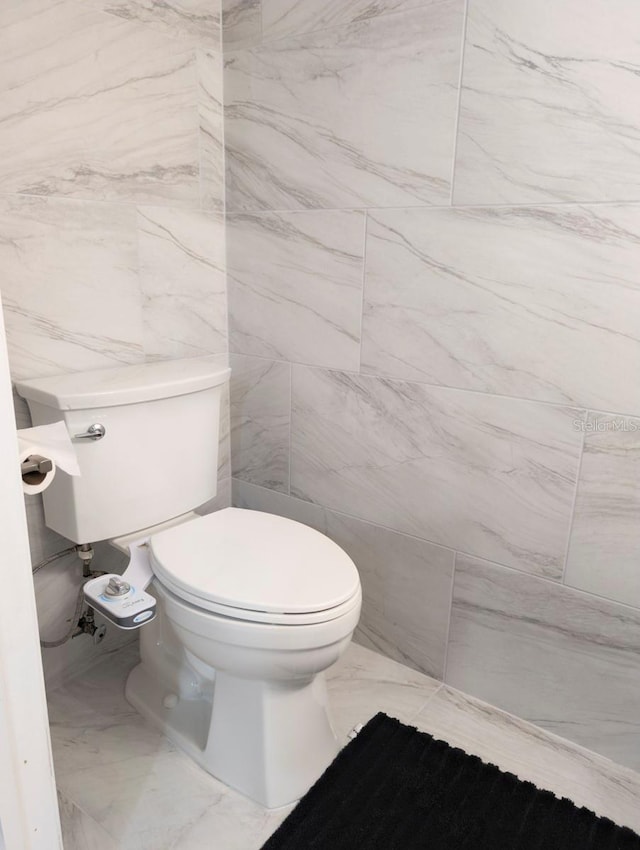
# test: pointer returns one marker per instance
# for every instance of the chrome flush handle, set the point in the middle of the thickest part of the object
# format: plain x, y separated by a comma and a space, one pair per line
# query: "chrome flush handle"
93, 432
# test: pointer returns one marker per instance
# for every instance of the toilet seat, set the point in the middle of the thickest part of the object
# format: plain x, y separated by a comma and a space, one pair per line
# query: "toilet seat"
252, 621
259, 567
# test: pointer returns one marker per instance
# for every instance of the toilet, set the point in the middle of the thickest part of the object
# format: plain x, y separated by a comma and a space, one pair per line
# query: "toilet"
252, 608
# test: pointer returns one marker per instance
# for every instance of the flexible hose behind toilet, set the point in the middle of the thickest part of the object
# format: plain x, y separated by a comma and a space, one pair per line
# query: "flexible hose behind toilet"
51, 644
86, 555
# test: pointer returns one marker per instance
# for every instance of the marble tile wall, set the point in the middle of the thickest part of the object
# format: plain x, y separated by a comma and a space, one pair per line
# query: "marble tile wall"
292, 144
111, 214
296, 285
434, 229
564, 659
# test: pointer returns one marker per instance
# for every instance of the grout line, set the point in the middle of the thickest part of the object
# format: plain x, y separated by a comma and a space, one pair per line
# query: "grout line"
445, 669
426, 702
223, 128
99, 827
180, 204
597, 761
393, 379
572, 515
200, 90
465, 18
424, 207
364, 267
224, 199
365, 521
560, 405
555, 583
290, 420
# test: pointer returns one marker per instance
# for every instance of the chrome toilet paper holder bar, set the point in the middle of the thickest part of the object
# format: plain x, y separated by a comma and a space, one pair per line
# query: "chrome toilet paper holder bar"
36, 463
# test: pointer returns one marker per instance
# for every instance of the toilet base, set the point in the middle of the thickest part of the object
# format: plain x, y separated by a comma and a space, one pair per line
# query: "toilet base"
268, 740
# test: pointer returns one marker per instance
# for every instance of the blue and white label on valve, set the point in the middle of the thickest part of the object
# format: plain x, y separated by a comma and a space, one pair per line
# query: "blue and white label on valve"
140, 618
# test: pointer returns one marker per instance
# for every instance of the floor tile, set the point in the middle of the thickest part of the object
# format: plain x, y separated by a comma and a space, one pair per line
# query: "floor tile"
363, 683
79, 831
154, 798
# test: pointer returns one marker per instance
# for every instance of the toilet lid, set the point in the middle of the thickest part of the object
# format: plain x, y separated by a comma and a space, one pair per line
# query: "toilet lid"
253, 561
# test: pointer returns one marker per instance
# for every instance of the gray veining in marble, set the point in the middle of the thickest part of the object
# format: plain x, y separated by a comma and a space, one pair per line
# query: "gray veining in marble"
80, 831
534, 755
604, 553
549, 102
153, 792
182, 282
155, 787
291, 17
362, 683
407, 592
564, 660
232, 823
260, 409
241, 23
539, 302
295, 286
148, 796
210, 111
68, 69
69, 288
490, 476
197, 21
336, 119
406, 582
91, 721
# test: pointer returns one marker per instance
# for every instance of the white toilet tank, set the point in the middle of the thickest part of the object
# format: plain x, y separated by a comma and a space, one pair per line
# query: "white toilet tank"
159, 455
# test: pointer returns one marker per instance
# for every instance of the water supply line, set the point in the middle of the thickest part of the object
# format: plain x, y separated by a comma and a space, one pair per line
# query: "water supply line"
53, 558
80, 623
85, 553
50, 644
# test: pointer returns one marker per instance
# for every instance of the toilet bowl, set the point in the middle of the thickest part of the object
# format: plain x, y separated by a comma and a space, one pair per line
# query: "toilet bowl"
252, 608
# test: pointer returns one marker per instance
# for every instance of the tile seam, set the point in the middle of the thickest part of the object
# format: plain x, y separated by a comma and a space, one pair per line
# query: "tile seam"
456, 129
556, 583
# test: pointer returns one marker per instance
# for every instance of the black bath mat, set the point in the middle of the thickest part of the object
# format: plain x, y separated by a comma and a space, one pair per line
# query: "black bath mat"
394, 788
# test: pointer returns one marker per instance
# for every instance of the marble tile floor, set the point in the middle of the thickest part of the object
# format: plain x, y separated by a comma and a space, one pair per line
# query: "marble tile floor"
123, 786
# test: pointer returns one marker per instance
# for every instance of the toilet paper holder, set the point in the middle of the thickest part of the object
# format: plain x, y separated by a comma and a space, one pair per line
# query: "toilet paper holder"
36, 463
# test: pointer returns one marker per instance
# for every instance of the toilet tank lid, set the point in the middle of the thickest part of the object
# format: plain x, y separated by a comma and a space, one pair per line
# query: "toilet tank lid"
126, 384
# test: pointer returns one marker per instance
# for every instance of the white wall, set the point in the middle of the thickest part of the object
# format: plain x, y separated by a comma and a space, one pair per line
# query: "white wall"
28, 806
